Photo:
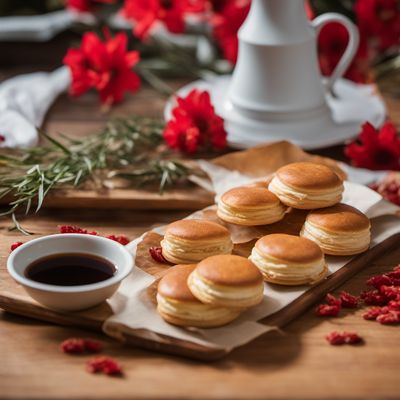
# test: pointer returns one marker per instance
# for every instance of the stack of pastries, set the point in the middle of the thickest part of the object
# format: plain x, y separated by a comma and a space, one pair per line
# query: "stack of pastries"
211, 293
211, 286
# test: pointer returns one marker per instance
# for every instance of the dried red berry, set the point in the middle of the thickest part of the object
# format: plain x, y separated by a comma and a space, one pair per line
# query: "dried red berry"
391, 317
120, 239
378, 281
73, 346
390, 292
15, 245
373, 298
332, 300
327, 310
394, 305
104, 364
337, 338
79, 346
75, 229
156, 254
93, 346
372, 313
348, 300
394, 276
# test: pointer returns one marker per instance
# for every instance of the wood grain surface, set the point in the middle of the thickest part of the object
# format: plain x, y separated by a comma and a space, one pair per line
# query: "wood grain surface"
296, 364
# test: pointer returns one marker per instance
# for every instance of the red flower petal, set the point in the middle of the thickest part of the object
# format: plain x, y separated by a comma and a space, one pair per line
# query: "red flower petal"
145, 13
376, 150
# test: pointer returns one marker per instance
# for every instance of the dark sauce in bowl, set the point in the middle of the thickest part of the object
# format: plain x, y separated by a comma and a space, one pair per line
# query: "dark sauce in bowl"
70, 269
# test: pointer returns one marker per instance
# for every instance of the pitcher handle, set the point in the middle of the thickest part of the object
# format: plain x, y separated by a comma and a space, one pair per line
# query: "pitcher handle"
351, 49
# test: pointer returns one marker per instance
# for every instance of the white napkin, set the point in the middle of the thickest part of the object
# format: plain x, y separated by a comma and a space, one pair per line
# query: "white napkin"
40, 28
24, 101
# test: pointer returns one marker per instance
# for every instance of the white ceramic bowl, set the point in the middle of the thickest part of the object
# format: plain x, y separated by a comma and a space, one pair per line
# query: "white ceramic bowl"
70, 298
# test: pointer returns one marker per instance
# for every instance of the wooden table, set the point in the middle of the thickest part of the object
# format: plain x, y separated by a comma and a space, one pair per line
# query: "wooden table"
295, 364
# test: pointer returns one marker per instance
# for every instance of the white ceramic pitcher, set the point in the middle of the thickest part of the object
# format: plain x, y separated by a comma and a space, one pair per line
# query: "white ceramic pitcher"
277, 74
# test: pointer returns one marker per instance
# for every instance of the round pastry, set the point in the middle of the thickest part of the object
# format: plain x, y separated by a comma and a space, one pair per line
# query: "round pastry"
289, 260
307, 185
177, 305
191, 240
250, 205
339, 230
227, 281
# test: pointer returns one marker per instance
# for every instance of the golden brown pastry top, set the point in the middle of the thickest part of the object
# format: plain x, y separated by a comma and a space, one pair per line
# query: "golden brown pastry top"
229, 270
197, 229
249, 196
339, 218
307, 175
174, 283
289, 248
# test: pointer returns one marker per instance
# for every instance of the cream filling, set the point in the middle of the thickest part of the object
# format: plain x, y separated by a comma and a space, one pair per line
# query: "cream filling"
271, 213
188, 249
281, 190
192, 311
240, 293
277, 269
342, 241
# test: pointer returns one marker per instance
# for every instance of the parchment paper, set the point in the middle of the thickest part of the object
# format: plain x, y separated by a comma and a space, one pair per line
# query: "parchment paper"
135, 310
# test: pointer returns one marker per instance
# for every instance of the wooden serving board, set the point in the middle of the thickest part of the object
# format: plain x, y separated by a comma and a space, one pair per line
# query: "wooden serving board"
14, 299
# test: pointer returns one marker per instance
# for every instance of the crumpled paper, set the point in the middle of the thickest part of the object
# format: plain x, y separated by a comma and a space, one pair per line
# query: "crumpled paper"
135, 310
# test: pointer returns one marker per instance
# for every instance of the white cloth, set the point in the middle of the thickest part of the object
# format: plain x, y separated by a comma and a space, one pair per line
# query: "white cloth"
24, 101
40, 28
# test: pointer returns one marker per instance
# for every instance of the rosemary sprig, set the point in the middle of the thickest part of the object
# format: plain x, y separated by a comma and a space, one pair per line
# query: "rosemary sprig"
166, 172
128, 147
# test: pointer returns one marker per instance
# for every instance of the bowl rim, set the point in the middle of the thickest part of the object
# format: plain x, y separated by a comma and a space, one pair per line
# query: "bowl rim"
119, 275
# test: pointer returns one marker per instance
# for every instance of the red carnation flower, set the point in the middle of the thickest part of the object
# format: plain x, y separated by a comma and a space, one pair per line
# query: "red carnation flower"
380, 20
86, 5
376, 150
226, 22
145, 13
105, 66
332, 42
195, 125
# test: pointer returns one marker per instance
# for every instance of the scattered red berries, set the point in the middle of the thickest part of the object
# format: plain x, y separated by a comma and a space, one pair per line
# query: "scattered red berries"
105, 365
100, 364
373, 298
337, 338
80, 346
372, 313
120, 239
325, 310
331, 309
15, 245
390, 317
156, 254
75, 229
386, 295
